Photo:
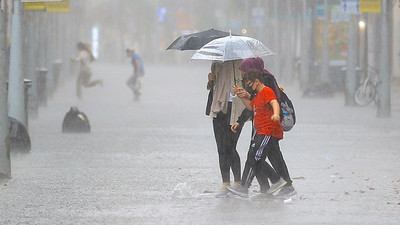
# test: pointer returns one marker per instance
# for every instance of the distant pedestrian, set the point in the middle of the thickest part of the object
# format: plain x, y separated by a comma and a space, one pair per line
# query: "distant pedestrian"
134, 82
85, 57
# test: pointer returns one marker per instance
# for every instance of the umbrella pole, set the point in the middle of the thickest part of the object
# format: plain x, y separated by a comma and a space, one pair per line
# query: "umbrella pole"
234, 74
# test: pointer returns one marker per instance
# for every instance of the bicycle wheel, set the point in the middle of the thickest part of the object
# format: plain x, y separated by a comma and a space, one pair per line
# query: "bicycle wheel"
365, 94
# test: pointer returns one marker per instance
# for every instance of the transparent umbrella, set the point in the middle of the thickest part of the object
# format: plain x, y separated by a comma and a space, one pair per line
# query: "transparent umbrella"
232, 48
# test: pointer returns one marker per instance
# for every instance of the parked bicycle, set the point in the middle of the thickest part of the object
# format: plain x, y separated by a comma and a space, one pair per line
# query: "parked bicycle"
368, 89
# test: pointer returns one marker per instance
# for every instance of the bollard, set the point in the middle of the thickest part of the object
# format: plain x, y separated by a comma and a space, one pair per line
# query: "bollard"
27, 85
42, 86
359, 75
33, 108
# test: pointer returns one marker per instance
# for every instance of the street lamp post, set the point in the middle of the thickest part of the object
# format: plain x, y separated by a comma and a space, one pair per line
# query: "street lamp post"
384, 88
15, 80
325, 48
351, 79
5, 165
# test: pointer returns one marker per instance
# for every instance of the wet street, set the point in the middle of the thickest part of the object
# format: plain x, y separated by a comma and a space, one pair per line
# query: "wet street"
155, 161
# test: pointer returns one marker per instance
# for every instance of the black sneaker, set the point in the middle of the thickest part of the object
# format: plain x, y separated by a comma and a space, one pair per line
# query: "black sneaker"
286, 192
239, 190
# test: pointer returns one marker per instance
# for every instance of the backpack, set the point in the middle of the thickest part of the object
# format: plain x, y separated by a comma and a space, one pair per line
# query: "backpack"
287, 113
19, 136
75, 121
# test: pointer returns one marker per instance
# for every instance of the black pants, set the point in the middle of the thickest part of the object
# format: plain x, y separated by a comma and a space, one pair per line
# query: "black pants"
226, 144
276, 158
134, 83
267, 172
261, 147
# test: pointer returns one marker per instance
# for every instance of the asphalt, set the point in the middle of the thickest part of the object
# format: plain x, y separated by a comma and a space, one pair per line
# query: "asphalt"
155, 161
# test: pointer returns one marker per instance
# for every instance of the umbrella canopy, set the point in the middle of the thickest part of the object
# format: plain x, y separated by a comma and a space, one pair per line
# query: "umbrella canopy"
232, 48
196, 40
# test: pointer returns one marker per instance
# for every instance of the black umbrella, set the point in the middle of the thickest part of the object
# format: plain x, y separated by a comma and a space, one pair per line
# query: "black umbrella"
197, 40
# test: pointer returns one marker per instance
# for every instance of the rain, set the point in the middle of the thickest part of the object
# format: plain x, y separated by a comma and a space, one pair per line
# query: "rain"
155, 160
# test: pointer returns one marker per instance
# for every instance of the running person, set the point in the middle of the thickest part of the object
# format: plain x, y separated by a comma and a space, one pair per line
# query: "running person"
134, 81
85, 57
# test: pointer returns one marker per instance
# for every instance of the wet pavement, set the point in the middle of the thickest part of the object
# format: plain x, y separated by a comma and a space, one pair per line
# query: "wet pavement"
155, 161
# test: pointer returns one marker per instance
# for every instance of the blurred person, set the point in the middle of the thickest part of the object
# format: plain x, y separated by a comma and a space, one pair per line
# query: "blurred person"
134, 81
275, 155
85, 57
224, 109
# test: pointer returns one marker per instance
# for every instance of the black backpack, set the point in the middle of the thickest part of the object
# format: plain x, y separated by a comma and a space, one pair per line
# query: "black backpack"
75, 121
287, 113
19, 136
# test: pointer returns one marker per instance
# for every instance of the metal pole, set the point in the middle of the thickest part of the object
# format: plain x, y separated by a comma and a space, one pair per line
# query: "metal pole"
351, 79
325, 57
31, 64
16, 80
291, 47
363, 49
276, 59
5, 164
384, 108
42, 71
304, 75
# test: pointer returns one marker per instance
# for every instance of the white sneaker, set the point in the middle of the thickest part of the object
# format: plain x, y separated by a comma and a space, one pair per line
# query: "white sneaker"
286, 192
239, 190
223, 193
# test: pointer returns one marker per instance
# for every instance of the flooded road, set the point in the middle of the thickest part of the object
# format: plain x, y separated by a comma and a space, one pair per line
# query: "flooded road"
155, 161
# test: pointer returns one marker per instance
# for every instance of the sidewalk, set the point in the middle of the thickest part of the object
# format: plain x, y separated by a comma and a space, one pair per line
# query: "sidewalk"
155, 162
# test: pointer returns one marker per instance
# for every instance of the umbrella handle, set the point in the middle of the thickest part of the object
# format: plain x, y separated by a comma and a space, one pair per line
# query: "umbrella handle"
234, 72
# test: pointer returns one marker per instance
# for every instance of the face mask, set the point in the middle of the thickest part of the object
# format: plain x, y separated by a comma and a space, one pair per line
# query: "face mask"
251, 91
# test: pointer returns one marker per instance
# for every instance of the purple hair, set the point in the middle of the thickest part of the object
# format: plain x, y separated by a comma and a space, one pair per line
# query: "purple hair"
256, 63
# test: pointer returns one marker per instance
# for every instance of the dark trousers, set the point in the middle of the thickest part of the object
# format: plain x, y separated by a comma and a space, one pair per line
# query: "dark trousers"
134, 83
276, 158
261, 147
266, 172
256, 165
226, 144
